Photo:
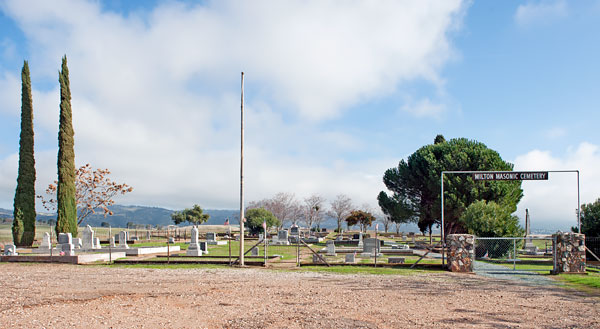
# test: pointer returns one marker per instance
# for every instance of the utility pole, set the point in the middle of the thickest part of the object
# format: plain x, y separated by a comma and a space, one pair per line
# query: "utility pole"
242, 179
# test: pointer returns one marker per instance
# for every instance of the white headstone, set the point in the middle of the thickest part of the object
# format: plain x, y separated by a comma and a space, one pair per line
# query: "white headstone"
68, 249
330, 248
147, 235
112, 242
194, 246
77, 243
88, 238
96, 244
10, 250
65, 238
123, 240
45, 241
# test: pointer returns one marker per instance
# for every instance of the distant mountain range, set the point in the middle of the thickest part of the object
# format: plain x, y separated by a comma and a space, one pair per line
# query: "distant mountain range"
143, 215
137, 215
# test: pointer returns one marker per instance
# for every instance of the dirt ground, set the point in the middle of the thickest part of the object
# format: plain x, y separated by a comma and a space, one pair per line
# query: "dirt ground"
69, 296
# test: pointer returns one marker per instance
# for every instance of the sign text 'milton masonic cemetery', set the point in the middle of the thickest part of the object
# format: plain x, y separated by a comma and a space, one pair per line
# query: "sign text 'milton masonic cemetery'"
511, 175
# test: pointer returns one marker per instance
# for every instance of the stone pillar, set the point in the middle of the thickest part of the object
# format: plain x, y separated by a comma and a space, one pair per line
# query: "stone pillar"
568, 252
461, 252
194, 247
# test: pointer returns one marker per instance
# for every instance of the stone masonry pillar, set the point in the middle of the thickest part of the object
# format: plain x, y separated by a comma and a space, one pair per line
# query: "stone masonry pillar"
568, 252
461, 252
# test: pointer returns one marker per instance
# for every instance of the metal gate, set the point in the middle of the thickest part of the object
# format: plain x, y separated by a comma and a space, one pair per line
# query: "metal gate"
513, 254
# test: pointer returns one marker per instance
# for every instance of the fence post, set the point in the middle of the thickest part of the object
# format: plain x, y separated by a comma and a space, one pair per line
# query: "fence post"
514, 254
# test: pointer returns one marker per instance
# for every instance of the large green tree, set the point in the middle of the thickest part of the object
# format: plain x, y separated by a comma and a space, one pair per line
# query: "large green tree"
255, 218
24, 203
363, 218
590, 219
193, 216
489, 219
66, 220
416, 181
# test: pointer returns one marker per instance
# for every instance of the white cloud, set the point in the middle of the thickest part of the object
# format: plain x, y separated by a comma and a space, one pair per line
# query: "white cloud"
556, 133
555, 200
155, 97
540, 12
425, 108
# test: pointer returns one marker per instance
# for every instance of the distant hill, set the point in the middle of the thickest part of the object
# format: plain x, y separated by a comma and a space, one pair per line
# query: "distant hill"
137, 215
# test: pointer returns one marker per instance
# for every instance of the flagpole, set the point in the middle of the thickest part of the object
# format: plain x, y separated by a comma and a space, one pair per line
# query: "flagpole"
242, 178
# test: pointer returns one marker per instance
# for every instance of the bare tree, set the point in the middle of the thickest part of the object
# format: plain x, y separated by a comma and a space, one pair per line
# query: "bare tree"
283, 205
313, 210
340, 209
397, 227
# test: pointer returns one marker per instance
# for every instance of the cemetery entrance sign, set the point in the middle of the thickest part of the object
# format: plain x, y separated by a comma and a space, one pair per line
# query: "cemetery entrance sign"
503, 176
511, 175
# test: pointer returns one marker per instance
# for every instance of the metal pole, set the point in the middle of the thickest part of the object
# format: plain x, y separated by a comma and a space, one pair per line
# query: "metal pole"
109, 245
442, 234
578, 206
242, 178
376, 245
514, 254
229, 243
265, 241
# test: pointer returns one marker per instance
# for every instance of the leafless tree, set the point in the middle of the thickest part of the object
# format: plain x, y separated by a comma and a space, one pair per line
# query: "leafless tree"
282, 205
313, 210
340, 209
397, 227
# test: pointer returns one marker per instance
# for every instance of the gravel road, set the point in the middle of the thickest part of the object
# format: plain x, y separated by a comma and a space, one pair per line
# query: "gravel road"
63, 296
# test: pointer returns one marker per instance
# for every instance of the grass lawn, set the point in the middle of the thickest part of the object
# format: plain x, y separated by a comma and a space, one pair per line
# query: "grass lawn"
589, 282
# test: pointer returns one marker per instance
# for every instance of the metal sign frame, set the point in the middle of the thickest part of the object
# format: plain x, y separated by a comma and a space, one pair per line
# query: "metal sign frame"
495, 171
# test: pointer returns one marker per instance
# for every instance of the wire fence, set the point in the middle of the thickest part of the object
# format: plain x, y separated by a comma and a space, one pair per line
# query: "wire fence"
513, 253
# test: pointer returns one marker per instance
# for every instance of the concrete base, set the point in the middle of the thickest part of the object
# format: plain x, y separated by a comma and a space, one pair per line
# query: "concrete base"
193, 252
217, 243
146, 250
369, 254
76, 259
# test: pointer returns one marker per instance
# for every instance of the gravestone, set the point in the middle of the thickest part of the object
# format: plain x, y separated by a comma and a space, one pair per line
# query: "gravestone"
261, 237
360, 239
350, 258
330, 248
77, 243
112, 242
396, 260
123, 240
88, 238
171, 240
203, 247
371, 246
254, 252
529, 248
67, 249
339, 238
10, 250
404, 238
65, 238
45, 242
194, 247
294, 231
148, 235
282, 237
211, 238
96, 244
316, 259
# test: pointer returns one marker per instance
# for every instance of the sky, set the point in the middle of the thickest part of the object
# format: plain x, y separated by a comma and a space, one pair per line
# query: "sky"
336, 92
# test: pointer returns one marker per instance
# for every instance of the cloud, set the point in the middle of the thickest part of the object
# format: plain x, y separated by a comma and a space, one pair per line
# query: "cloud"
425, 108
541, 12
155, 93
554, 201
556, 133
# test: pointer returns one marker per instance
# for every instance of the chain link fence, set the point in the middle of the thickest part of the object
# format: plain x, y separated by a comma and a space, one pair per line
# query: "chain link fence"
513, 253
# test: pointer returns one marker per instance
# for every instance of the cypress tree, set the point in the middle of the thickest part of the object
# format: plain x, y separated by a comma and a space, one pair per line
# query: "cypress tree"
66, 220
24, 203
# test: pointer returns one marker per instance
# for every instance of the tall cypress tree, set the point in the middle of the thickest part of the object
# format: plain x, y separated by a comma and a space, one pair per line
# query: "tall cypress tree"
66, 220
24, 203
